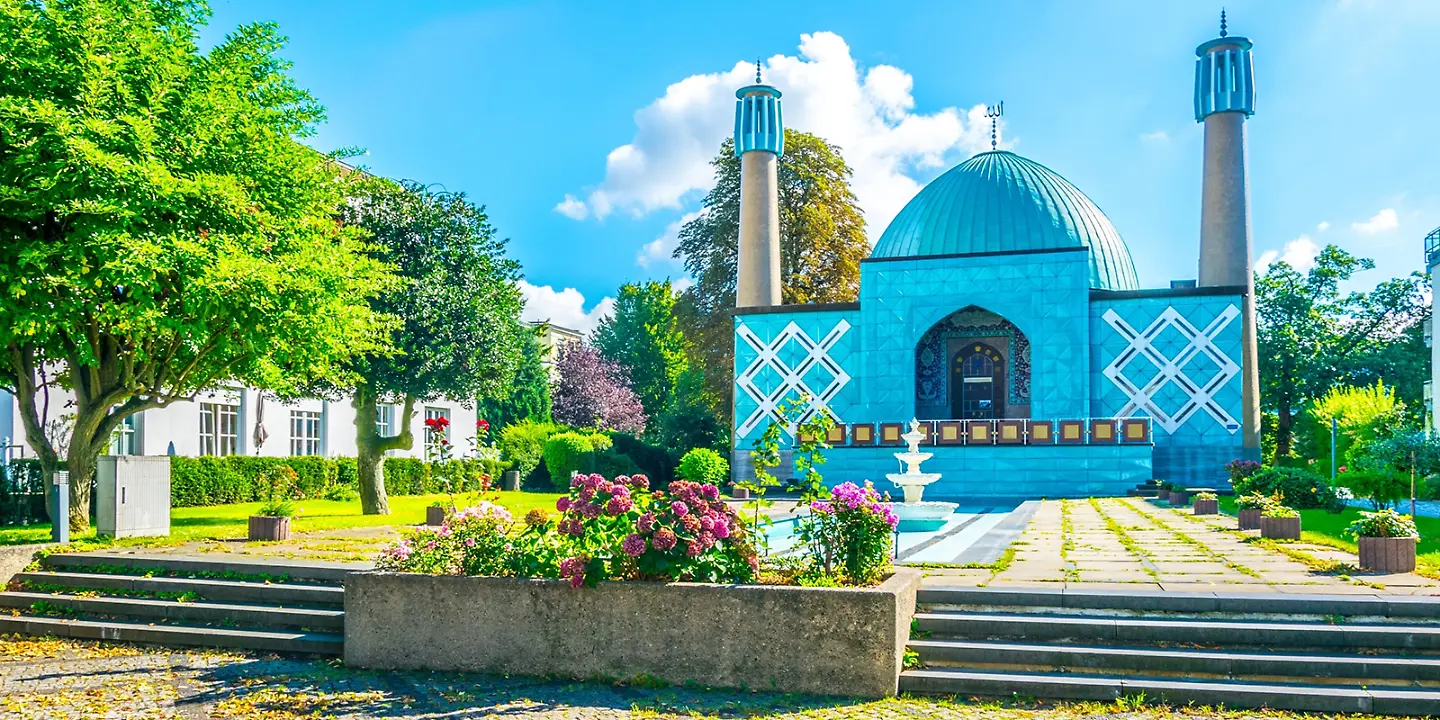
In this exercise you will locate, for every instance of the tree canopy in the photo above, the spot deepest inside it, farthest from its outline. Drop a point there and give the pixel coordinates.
(643, 338)
(163, 229)
(593, 392)
(460, 334)
(527, 397)
(1313, 336)
(822, 241)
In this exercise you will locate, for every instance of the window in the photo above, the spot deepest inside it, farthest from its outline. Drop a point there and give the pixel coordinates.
(385, 420)
(122, 441)
(304, 432)
(219, 429)
(434, 434)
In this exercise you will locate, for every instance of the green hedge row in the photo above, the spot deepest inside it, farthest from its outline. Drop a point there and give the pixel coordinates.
(198, 481)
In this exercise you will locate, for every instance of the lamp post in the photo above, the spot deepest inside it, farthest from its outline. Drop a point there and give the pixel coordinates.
(60, 524)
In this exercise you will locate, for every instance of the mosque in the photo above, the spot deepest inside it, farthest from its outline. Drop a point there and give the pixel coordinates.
(1001, 308)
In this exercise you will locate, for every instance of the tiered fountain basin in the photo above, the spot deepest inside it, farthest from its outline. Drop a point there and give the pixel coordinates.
(916, 514)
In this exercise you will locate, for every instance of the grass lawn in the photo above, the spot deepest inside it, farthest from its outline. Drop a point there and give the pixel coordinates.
(1323, 528)
(218, 522)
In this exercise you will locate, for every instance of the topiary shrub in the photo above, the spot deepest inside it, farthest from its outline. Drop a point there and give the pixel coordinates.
(704, 465)
(523, 444)
(566, 454)
(1298, 487)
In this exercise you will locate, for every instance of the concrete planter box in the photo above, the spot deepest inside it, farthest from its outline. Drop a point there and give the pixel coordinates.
(848, 641)
(434, 516)
(511, 480)
(1280, 528)
(1179, 497)
(264, 527)
(1387, 554)
(1249, 519)
(739, 493)
(1207, 507)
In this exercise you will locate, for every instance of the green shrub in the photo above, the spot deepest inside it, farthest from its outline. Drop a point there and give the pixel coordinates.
(704, 465)
(566, 454)
(197, 481)
(612, 464)
(1381, 487)
(523, 444)
(1253, 501)
(657, 462)
(1298, 487)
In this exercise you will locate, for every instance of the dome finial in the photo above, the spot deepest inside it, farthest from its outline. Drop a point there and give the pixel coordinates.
(757, 71)
(1223, 31)
(994, 112)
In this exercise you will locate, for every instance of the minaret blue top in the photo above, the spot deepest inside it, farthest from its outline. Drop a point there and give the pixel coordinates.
(757, 118)
(1224, 77)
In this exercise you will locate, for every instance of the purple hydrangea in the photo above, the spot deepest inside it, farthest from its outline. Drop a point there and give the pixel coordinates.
(634, 545)
(679, 508)
(645, 523)
(618, 505)
(562, 504)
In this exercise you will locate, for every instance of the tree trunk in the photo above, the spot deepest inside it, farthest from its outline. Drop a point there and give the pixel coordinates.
(371, 446)
(81, 461)
(1283, 424)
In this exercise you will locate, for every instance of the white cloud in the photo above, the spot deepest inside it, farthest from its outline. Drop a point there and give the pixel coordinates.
(1384, 220)
(1159, 136)
(1323, 226)
(659, 251)
(868, 112)
(565, 308)
(1299, 253)
(572, 208)
(682, 284)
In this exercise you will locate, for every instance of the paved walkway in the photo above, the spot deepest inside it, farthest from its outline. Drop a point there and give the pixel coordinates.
(64, 680)
(1132, 544)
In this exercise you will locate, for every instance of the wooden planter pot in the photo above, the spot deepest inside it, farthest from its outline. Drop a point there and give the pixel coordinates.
(1179, 497)
(1207, 507)
(1277, 528)
(263, 527)
(1250, 519)
(435, 516)
(1387, 554)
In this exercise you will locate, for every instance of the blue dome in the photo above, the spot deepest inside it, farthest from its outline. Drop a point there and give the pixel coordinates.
(999, 202)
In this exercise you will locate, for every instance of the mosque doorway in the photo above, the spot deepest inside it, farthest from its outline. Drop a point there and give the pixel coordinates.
(973, 363)
(977, 383)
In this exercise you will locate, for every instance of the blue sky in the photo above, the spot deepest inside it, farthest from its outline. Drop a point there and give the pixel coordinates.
(585, 127)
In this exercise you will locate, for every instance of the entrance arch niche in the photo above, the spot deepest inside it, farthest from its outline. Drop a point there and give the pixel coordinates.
(972, 364)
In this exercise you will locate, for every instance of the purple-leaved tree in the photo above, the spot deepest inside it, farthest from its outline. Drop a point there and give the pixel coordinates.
(594, 392)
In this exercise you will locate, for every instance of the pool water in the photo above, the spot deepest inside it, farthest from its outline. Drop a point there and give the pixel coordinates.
(961, 530)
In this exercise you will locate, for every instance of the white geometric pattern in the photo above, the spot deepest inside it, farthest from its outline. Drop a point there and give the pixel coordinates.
(791, 379)
(1200, 394)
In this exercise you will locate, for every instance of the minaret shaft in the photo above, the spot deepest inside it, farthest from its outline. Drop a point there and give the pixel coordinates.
(758, 277)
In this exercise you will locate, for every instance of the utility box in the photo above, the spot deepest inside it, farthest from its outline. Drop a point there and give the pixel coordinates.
(132, 495)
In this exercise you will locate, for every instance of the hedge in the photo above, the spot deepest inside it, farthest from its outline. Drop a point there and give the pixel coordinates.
(198, 481)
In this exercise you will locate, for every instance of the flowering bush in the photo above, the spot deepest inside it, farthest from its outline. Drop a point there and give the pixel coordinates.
(482, 446)
(620, 529)
(1206, 496)
(850, 532)
(437, 436)
(1276, 510)
(1383, 524)
(1241, 469)
(607, 530)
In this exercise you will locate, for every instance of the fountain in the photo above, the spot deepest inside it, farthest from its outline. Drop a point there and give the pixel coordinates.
(917, 515)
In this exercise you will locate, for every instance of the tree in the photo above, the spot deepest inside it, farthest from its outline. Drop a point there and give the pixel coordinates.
(459, 307)
(822, 241)
(643, 338)
(527, 397)
(593, 392)
(163, 229)
(691, 420)
(1362, 416)
(1311, 336)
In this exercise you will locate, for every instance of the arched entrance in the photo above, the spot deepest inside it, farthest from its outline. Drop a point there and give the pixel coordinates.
(977, 377)
(955, 380)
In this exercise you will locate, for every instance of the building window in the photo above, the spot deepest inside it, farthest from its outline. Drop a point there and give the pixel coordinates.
(123, 440)
(385, 420)
(304, 432)
(219, 429)
(437, 431)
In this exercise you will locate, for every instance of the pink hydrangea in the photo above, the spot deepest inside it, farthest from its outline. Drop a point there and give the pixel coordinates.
(634, 545)
(618, 506)
(693, 548)
(710, 491)
(645, 523)
(664, 539)
(679, 508)
(690, 523)
(640, 482)
(707, 522)
(562, 504)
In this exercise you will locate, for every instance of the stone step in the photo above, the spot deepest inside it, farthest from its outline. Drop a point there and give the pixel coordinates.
(290, 570)
(1280, 696)
(214, 590)
(1362, 669)
(1148, 492)
(230, 614)
(1145, 631)
(121, 631)
(1413, 609)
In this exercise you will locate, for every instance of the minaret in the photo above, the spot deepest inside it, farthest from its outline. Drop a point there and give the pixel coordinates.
(1224, 98)
(759, 140)
(1432, 265)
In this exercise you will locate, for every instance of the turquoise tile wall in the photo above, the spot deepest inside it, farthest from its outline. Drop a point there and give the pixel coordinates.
(793, 348)
(1195, 448)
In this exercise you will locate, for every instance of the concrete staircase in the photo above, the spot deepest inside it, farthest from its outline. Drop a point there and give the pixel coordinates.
(277, 606)
(1368, 653)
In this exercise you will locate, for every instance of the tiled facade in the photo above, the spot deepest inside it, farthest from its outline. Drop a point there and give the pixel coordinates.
(1169, 355)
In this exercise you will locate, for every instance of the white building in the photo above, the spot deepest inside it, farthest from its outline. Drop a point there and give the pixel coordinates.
(233, 421)
(554, 339)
